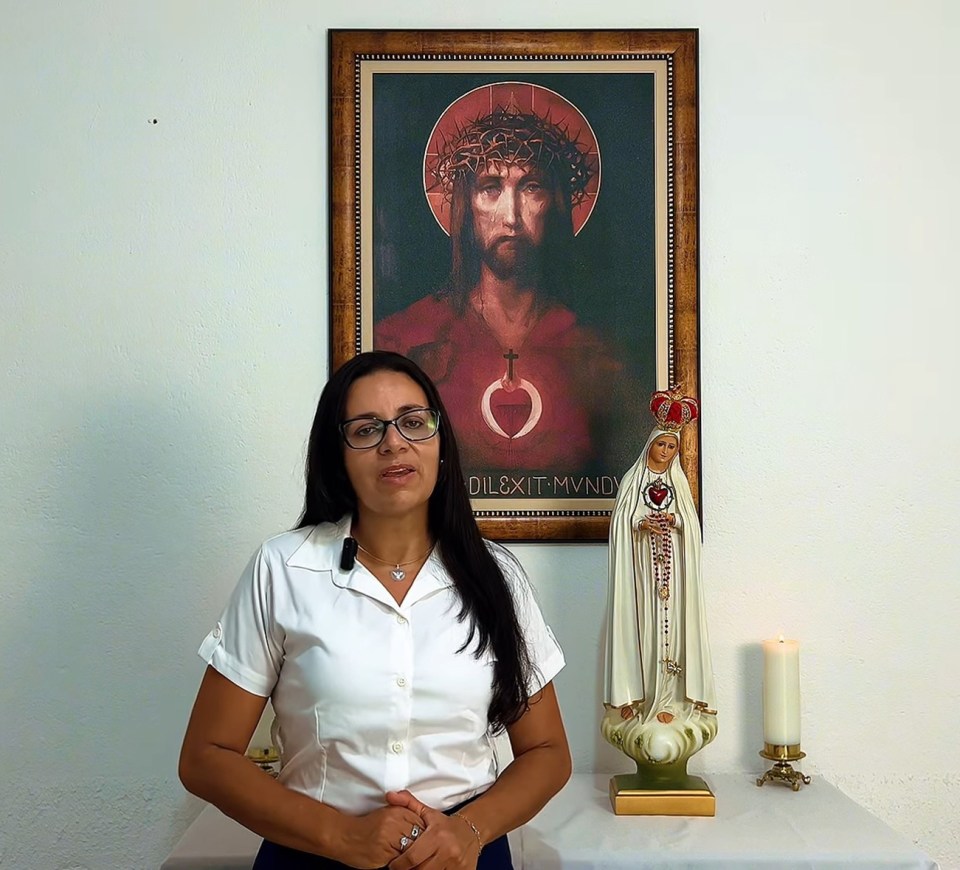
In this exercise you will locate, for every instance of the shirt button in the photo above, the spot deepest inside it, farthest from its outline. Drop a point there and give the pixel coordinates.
(397, 747)
(401, 681)
(401, 620)
(217, 632)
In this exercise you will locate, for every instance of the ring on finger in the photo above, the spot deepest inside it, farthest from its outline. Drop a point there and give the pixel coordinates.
(404, 842)
(415, 832)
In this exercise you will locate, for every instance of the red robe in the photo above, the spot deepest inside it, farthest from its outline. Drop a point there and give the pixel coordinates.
(565, 362)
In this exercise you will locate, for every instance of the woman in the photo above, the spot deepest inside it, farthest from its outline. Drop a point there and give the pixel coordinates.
(659, 689)
(388, 634)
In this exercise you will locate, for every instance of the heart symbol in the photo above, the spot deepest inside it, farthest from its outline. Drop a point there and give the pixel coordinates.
(658, 492)
(398, 574)
(511, 409)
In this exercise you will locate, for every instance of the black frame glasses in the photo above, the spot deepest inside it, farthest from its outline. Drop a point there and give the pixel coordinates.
(414, 414)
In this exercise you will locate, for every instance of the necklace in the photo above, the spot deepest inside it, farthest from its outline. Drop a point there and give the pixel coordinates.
(661, 555)
(658, 495)
(397, 572)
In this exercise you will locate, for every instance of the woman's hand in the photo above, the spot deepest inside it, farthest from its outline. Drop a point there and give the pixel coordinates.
(448, 843)
(373, 840)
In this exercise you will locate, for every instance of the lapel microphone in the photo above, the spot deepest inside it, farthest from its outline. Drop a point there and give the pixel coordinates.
(348, 554)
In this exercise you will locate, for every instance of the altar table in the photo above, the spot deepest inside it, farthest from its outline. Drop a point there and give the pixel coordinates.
(769, 828)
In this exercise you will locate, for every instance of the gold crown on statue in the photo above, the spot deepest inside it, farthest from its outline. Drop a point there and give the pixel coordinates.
(673, 410)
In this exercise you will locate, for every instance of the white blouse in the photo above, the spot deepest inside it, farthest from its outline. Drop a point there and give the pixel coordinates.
(370, 696)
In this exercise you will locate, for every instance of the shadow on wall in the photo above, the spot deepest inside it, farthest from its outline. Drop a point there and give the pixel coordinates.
(750, 659)
(131, 494)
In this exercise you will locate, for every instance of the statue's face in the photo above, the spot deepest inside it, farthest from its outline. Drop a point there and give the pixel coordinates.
(662, 451)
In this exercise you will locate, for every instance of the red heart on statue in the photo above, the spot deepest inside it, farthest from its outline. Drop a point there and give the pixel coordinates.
(657, 494)
(511, 409)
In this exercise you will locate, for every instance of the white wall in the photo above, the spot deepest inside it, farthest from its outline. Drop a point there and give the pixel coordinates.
(164, 339)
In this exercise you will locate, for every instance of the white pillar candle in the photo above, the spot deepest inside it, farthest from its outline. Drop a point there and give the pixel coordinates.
(781, 692)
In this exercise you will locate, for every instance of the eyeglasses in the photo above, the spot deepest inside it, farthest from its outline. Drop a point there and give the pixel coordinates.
(362, 433)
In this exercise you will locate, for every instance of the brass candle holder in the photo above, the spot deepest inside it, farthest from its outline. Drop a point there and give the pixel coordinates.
(267, 759)
(782, 770)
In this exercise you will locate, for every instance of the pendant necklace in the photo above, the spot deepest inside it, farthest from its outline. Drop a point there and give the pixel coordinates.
(659, 495)
(397, 571)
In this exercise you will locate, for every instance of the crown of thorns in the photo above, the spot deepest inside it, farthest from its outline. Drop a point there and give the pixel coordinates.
(507, 136)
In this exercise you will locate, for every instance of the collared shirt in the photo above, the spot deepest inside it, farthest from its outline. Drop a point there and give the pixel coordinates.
(369, 695)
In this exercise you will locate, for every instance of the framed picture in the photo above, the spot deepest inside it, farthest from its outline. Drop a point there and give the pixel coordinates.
(517, 212)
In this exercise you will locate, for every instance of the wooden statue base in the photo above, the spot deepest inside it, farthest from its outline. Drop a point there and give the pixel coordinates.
(634, 795)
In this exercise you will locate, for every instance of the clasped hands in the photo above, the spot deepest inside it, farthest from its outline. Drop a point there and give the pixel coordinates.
(408, 834)
(647, 524)
(447, 842)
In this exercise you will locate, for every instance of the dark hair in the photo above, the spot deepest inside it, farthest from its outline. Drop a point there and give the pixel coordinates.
(486, 599)
(554, 264)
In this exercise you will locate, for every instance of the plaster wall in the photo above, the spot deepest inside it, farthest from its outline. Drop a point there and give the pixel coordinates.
(164, 340)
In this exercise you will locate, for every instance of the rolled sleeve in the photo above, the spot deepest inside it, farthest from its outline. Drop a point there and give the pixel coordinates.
(245, 646)
(546, 656)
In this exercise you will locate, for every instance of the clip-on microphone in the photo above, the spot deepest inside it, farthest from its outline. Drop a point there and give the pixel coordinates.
(348, 554)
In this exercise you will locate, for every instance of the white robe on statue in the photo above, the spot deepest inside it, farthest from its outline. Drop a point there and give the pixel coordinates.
(635, 672)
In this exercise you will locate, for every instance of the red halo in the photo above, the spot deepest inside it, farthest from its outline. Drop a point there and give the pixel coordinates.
(527, 98)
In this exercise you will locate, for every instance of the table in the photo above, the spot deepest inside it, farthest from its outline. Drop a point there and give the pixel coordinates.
(214, 842)
(772, 828)
(769, 828)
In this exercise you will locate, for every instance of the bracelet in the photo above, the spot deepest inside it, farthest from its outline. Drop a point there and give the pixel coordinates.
(473, 828)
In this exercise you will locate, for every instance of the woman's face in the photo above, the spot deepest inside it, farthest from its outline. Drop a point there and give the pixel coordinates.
(662, 451)
(397, 476)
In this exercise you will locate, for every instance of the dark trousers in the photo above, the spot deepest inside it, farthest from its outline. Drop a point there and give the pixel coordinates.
(495, 856)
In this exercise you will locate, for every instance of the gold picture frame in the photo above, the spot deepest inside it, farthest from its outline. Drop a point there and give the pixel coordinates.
(628, 101)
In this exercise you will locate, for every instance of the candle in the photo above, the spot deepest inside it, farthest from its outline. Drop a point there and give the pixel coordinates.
(781, 692)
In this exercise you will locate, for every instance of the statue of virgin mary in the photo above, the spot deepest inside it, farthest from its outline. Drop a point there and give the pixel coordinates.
(658, 693)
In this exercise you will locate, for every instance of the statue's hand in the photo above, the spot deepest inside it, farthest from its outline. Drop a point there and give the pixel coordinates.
(648, 524)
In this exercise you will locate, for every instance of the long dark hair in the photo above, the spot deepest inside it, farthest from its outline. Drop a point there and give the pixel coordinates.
(486, 599)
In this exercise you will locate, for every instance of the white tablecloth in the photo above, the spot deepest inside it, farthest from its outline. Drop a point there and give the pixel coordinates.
(772, 828)
(214, 842)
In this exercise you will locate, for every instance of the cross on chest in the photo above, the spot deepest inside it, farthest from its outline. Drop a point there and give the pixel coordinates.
(510, 356)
